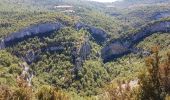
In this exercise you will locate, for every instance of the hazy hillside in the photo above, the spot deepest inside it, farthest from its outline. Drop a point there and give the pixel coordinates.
(132, 3)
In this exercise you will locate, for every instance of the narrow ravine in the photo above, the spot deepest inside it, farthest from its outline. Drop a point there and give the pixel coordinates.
(116, 49)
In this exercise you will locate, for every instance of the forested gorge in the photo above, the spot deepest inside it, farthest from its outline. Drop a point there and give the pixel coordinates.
(86, 51)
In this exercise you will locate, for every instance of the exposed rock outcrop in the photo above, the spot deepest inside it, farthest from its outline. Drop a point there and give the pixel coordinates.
(115, 14)
(2, 44)
(33, 56)
(43, 29)
(26, 74)
(159, 15)
(79, 56)
(53, 48)
(85, 50)
(46, 29)
(123, 46)
(115, 49)
(40, 30)
(98, 34)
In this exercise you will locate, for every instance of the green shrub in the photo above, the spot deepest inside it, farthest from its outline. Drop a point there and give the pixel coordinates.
(50, 93)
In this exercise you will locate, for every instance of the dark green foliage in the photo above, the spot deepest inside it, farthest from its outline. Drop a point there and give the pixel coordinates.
(9, 68)
(57, 68)
(6, 59)
(90, 77)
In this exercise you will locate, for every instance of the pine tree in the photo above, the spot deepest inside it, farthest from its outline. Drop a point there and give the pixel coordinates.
(154, 83)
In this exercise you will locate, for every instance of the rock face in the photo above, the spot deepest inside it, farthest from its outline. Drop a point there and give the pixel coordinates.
(114, 50)
(85, 50)
(45, 29)
(2, 45)
(123, 46)
(115, 14)
(149, 30)
(79, 56)
(40, 30)
(98, 34)
(79, 26)
(159, 15)
(33, 56)
(54, 48)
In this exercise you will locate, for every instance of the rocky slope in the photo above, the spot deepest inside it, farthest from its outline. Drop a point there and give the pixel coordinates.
(117, 48)
(76, 51)
(124, 45)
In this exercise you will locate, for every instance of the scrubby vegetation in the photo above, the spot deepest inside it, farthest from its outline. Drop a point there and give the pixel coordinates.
(67, 64)
(154, 83)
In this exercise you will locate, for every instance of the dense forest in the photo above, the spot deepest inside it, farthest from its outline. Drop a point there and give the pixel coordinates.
(84, 50)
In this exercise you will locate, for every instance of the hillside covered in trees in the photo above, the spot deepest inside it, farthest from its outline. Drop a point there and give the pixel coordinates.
(84, 50)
